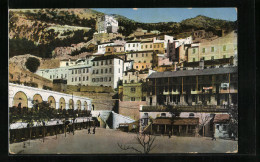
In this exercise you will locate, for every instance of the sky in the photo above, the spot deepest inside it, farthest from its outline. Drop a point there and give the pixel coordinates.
(154, 15)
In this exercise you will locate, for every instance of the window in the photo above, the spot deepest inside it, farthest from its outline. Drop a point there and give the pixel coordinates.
(224, 128)
(72, 72)
(154, 46)
(61, 75)
(93, 80)
(67, 64)
(97, 63)
(97, 71)
(106, 62)
(50, 76)
(191, 115)
(105, 79)
(146, 54)
(83, 71)
(65, 75)
(224, 48)
(76, 71)
(137, 55)
(224, 56)
(71, 79)
(132, 81)
(75, 79)
(193, 50)
(110, 61)
(83, 79)
(151, 46)
(132, 89)
(110, 70)
(212, 49)
(145, 46)
(193, 59)
(141, 46)
(142, 55)
(108, 49)
(133, 45)
(212, 57)
(139, 61)
(131, 55)
(101, 62)
(119, 62)
(93, 63)
(203, 50)
(143, 98)
(142, 66)
(136, 67)
(93, 72)
(97, 79)
(163, 114)
(79, 71)
(132, 99)
(79, 78)
(87, 70)
(119, 70)
(87, 78)
(125, 81)
(109, 79)
(128, 45)
(105, 70)
(101, 79)
(101, 71)
(144, 61)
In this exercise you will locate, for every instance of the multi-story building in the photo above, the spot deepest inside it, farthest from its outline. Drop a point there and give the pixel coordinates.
(213, 86)
(107, 24)
(133, 89)
(102, 47)
(57, 73)
(142, 59)
(131, 46)
(159, 47)
(222, 47)
(107, 71)
(146, 45)
(80, 75)
(113, 49)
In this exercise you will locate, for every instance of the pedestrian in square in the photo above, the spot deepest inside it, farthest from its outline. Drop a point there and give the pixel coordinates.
(94, 130)
(170, 133)
(89, 130)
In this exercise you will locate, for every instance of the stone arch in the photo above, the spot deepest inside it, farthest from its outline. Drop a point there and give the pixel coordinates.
(20, 99)
(62, 103)
(52, 102)
(37, 98)
(71, 104)
(85, 105)
(79, 105)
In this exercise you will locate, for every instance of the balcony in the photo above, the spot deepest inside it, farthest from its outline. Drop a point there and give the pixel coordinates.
(171, 93)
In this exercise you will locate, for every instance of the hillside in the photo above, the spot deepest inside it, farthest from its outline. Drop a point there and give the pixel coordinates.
(43, 32)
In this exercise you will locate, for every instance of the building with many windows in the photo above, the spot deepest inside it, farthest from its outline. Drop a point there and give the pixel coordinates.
(213, 86)
(107, 71)
(141, 59)
(133, 45)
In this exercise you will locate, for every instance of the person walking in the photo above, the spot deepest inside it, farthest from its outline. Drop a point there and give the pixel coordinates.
(94, 130)
(170, 134)
(213, 137)
(89, 130)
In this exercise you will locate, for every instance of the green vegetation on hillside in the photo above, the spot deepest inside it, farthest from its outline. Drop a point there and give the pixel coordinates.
(24, 46)
(32, 64)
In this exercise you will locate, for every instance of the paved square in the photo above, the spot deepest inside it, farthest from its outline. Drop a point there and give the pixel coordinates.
(105, 141)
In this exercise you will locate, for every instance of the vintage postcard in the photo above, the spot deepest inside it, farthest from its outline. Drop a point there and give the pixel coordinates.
(123, 81)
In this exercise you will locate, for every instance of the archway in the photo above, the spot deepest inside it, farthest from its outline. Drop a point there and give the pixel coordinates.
(71, 104)
(37, 99)
(62, 103)
(52, 102)
(78, 104)
(85, 105)
(20, 99)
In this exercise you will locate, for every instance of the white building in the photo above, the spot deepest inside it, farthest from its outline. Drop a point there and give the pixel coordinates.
(57, 73)
(107, 24)
(79, 75)
(132, 46)
(67, 62)
(179, 42)
(107, 71)
(102, 47)
(128, 65)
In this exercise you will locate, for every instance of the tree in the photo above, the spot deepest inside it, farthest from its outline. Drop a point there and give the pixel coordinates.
(204, 119)
(146, 141)
(32, 64)
(233, 122)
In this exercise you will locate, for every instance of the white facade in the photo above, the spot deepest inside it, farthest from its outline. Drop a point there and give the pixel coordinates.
(57, 73)
(67, 62)
(102, 47)
(179, 42)
(107, 71)
(79, 75)
(107, 24)
(128, 65)
(132, 46)
(79, 102)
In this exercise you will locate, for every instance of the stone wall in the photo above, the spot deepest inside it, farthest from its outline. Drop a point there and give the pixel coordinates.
(130, 108)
